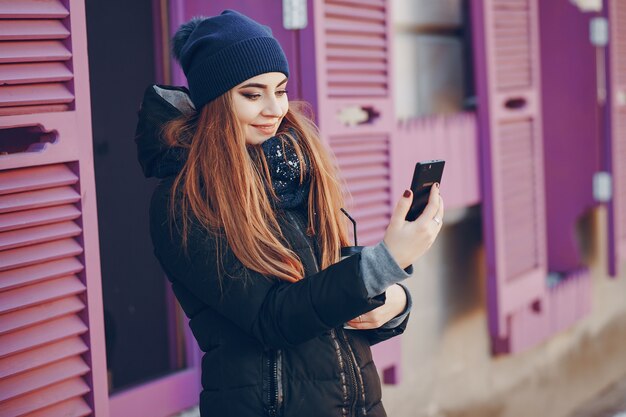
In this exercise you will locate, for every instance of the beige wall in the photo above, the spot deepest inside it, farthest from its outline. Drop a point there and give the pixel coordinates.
(447, 368)
(428, 69)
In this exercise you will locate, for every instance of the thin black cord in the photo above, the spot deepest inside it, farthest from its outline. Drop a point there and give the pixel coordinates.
(353, 224)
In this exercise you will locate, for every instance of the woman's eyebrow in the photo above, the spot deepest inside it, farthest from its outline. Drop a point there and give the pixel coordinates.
(263, 86)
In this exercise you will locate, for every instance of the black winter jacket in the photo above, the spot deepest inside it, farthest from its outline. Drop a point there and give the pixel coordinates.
(272, 348)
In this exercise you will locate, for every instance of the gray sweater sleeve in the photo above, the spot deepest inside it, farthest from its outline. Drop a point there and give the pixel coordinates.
(380, 271)
(394, 322)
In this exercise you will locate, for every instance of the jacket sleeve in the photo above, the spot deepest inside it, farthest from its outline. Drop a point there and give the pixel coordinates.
(383, 333)
(275, 312)
(394, 327)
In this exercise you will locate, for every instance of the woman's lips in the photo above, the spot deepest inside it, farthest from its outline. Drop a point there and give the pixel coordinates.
(267, 129)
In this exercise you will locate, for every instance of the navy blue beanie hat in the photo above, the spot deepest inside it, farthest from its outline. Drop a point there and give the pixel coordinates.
(217, 53)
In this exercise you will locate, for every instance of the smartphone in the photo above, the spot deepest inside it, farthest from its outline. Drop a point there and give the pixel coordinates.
(425, 175)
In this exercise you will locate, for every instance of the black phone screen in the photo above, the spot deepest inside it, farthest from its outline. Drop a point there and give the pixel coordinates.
(425, 175)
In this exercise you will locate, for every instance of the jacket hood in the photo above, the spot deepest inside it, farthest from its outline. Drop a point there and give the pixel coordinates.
(161, 103)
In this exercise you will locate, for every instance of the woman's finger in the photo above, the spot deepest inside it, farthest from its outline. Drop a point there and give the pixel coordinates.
(433, 204)
(402, 208)
(440, 212)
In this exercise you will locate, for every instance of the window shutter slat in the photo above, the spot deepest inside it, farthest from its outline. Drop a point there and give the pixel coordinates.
(356, 67)
(372, 159)
(372, 4)
(18, 277)
(29, 30)
(342, 39)
(34, 51)
(41, 334)
(39, 293)
(35, 178)
(46, 397)
(43, 252)
(351, 12)
(38, 234)
(375, 211)
(32, 9)
(44, 355)
(365, 199)
(366, 186)
(46, 72)
(24, 95)
(24, 383)
(25, 317)
(37, 199)
(36, 217)
(75, 407)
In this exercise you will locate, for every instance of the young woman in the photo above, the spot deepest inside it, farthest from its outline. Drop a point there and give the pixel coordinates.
(246, 223)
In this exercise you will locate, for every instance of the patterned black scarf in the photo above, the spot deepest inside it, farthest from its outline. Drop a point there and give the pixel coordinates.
(284, 167)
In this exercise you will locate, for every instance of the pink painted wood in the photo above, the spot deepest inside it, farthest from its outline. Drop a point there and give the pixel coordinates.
(41, 377)
(617, 129)
(33, 9)
(52, 356)
(35, 358)
(509, 109)
(559, 308)
(36, 217)
(166, 396)
(387, 360)
(52, 331)
(452, 138)
(27, 316)
(35, 73)
(48, 398)
(352, 63)
(15, 278)
(37, 51)
(41, 29)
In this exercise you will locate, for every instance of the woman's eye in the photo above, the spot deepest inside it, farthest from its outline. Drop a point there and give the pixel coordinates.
(251, 96)
(281, 93)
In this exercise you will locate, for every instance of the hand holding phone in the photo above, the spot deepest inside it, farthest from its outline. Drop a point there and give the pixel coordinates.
(406, 240)
(425, 175)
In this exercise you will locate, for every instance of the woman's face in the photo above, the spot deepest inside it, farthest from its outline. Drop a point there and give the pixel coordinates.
(260, 103)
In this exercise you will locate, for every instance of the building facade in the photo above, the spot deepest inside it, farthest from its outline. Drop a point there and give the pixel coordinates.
(525, 100)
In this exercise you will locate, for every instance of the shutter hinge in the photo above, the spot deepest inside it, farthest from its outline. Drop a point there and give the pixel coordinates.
(599, 31)
(294, 14)
(602, 187)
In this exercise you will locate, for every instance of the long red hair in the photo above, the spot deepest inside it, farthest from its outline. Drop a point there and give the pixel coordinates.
(221, 187)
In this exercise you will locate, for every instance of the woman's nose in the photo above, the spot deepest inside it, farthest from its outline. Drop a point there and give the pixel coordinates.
(272, 107)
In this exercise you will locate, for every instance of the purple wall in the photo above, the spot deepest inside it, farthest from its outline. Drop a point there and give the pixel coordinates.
(571, 124)
(297, 44)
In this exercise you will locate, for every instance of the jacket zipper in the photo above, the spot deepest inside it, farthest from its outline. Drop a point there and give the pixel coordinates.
(360, 385)
(353, 366)
(275, 391)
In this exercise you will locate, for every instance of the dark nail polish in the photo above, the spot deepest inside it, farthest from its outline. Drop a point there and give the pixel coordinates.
(407, 194)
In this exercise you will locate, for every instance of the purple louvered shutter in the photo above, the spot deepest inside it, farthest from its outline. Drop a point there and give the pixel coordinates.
(355, 107)
(35, 58)
(52, 355)
(617, 145)
(356, 119)
(508, 89)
